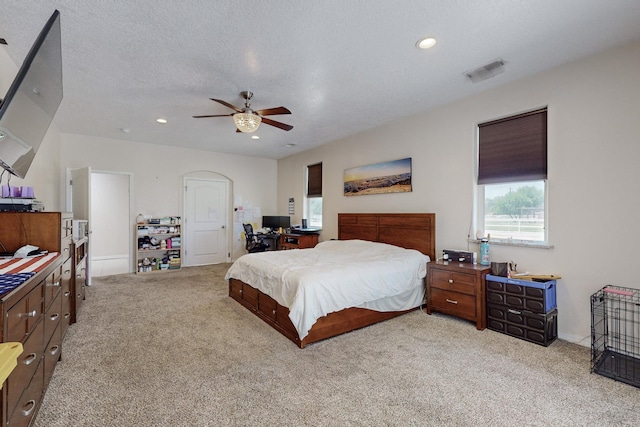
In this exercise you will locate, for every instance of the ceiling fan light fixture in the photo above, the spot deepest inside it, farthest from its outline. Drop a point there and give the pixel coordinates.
(247, 122)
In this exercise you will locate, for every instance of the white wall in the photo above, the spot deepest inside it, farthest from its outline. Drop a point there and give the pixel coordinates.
(594, 174)
(158, 173)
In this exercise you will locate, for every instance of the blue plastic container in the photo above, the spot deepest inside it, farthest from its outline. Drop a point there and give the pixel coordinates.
(538, 297)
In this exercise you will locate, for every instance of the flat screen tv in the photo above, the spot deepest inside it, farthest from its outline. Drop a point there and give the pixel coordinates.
(32, 100)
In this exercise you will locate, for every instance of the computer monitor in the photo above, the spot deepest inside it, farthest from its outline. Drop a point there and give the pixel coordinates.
(274, 222)
(285, 221)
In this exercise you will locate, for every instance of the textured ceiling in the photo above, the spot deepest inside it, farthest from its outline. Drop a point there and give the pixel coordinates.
(340, 66)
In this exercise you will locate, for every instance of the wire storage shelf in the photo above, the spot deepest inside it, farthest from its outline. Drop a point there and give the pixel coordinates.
(615, 334)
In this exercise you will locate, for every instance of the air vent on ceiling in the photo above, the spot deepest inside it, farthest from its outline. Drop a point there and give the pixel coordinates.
(486, 71)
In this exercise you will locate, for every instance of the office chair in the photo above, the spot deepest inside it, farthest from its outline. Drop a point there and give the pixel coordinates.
(253, 243)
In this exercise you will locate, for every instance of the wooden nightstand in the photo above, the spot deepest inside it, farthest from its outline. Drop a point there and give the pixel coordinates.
(458, 289)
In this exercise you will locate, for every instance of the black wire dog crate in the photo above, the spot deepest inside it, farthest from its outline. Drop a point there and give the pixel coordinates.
(615, 334)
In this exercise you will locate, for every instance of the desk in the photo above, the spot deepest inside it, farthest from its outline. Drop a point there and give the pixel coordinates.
(270, 239)
(297, 241)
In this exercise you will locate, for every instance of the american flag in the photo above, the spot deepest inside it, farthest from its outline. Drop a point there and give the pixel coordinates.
(26, 265)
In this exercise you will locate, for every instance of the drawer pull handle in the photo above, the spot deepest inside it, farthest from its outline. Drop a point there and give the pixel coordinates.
(451, 301)
(30, 358)
(514, 311)
(450, 280)
(67, 271)
(273, 311)
(53, 350)
(54, 316)
(66, 249)
(27, 412)
(66, 294)
(67, 315)
(33, 313)
(54, 284)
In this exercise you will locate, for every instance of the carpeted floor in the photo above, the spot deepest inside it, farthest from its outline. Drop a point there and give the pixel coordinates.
(173, 349)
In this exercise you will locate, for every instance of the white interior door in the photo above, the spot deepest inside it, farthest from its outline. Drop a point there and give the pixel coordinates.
(81, 204)
(205, 223)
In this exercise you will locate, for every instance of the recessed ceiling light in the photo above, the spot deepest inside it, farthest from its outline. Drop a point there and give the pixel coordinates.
(163, 121)
(426, 43)
(255, 137)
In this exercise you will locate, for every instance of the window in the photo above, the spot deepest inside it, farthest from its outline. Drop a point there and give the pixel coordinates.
(313, 201)
(512, 178)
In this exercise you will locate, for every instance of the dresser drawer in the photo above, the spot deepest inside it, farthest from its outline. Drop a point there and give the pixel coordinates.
(65, 248)
(52, 286)
(235, 289)
(267, 306)
(53, 317)
(28, 362)
(454, 281)
(66, 295)
(23, 316)
(52, 354)
(250, 296)
(455, 303)
(26, 407)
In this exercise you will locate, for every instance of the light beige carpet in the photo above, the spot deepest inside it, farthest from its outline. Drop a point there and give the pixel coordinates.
(173, 349)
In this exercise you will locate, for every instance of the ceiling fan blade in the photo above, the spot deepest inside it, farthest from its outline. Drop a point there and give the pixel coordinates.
(273, 111)
(213, 115)
(276, 124)
(226, 104)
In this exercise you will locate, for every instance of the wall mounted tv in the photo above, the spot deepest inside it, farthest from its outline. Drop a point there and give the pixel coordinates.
(32, 100)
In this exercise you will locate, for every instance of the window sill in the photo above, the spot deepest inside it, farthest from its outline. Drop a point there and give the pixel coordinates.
(517, 243)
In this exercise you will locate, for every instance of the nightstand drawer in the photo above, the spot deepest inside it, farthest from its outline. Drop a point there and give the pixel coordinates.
(453, 303)
(454, 281)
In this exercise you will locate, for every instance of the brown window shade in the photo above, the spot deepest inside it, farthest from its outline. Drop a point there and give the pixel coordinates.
(314, 180)
(513, 148)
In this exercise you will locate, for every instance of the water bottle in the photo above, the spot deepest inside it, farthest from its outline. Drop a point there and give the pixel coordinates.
(484, 252)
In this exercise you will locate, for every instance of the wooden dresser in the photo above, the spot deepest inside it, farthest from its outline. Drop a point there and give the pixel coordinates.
(458, 289)
(297, 241)
(38, 312)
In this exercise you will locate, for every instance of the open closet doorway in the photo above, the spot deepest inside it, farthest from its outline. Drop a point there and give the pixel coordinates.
(104, 198)
(206, 221)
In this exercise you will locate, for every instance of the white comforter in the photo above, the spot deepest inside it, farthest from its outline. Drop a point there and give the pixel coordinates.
(336, 274)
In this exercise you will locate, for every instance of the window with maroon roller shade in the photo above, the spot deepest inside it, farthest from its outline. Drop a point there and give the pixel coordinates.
(513, 149)
(314, 180)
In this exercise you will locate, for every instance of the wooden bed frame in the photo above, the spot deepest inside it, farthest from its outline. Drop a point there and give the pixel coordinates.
(411, 231)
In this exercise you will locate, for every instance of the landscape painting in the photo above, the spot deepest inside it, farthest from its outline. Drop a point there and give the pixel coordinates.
(380, 178)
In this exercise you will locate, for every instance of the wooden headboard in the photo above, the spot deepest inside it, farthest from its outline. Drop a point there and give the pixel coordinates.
(411, 231)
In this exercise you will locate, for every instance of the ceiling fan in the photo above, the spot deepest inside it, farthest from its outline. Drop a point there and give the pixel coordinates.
(248, 120)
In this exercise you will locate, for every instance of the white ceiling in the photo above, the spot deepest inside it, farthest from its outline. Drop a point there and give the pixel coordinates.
(340, 66)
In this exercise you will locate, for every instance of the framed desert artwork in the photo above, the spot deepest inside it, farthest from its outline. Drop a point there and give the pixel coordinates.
(380, 178)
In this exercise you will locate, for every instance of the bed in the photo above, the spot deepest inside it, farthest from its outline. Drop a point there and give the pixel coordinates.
(312, 317)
